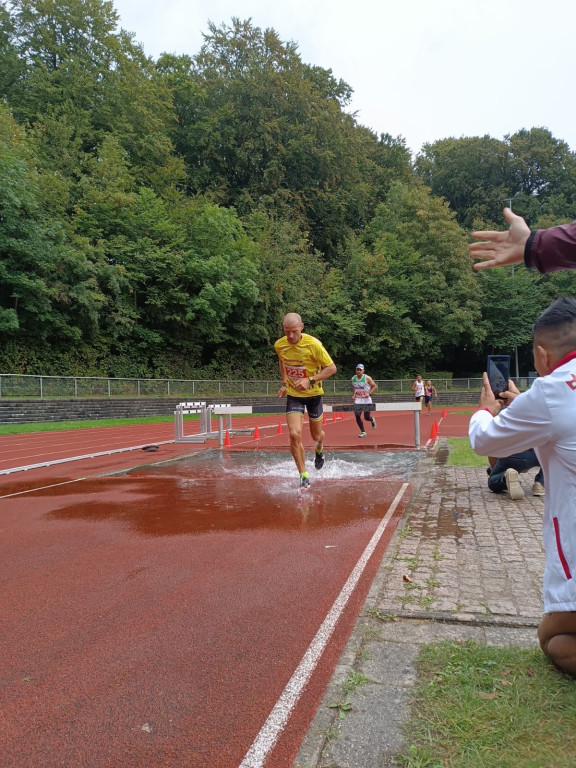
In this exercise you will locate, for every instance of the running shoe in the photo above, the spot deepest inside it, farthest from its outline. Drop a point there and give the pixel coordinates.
(362, 434)
(304, 480)
(538, 489)
(373, 423)
(513, 484)
(319, 460)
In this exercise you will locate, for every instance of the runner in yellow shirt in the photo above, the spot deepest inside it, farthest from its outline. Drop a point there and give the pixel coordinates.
(304, 364)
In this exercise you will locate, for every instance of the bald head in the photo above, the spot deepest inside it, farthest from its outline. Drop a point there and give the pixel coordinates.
(292, 318)
(293, 325)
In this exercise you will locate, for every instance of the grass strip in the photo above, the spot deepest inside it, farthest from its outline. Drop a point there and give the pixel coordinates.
(483, 707)
(461, 454)
(56, 426)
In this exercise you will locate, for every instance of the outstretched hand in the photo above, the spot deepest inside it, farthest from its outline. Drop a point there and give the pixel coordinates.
(501, 248)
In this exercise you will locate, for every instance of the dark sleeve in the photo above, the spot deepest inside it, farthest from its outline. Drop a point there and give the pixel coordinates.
(551, 250)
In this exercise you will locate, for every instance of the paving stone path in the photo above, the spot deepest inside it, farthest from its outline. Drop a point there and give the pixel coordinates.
(464, 563)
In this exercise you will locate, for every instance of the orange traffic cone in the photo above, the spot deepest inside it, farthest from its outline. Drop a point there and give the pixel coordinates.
(256, 433)
(227, 440)
(279, 432)
(323, 418)
(444, 413)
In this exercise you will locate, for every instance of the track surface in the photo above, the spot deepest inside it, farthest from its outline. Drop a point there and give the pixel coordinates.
(152, 619)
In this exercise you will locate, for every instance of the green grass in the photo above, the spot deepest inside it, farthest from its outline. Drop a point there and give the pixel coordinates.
(481, 707)
(462, 455)
(53, 426)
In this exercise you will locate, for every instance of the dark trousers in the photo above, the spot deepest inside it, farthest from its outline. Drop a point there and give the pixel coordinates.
(521, 462)
(358, 413)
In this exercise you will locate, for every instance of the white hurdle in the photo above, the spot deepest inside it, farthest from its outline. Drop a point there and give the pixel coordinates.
(413, 406)
(228, 410)
(225, 409)
(206, 412)
(205, 422)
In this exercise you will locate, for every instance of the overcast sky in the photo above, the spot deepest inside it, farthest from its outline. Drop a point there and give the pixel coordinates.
(421, 69)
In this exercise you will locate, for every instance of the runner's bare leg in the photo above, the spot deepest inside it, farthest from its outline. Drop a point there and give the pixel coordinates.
(295, 422)
(317, 434)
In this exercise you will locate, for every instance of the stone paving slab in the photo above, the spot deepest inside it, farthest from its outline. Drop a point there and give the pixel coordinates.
(464, 564)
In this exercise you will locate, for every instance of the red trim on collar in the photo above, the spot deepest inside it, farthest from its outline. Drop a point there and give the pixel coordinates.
(565, 359)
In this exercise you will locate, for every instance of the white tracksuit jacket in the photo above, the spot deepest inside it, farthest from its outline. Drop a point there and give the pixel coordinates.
(544, 418)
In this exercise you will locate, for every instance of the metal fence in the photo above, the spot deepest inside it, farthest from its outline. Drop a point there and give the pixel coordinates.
(25, 385)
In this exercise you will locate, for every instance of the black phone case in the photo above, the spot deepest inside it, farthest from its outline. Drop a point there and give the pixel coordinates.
(498, 369)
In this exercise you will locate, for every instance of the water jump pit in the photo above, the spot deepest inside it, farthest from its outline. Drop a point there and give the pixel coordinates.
(215, 491)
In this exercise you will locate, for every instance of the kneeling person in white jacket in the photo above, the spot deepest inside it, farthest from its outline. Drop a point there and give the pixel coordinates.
(544, 418)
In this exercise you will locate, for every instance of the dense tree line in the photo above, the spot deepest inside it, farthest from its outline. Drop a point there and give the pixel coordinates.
(158, 218)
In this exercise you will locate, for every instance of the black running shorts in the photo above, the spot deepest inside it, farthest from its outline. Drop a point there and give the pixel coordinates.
(301, 404)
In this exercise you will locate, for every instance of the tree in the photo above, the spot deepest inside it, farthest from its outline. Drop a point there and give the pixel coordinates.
(473, 175)
(540, 161)
(544, 177)
(530, 169)
(79, 80)
(46, 289)
(512, 299)
(416, 282)
(258, 127)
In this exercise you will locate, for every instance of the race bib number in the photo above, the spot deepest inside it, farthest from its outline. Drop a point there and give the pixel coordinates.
(295, 372)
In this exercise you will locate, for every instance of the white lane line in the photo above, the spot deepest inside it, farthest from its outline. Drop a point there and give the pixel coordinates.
(278, 717)
(53, 462)
(42, 488)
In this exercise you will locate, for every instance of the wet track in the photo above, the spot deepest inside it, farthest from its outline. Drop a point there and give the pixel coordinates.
(154, 617)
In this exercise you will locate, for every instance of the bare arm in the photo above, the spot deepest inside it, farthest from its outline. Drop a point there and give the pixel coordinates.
(282, 390)
(306, 383)
(325, 373)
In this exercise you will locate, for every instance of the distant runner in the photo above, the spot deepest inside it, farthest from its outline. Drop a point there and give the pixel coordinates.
(363, 386)
(429, 394)
(304, 364)
(418, 389)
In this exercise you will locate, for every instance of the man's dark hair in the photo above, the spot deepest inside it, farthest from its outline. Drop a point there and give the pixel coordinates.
(558, 324)
(560, 312)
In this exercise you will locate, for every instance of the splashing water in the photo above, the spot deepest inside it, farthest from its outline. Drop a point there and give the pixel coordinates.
(338, 466)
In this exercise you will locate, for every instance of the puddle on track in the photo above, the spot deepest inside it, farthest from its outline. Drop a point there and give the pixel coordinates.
(237, 491)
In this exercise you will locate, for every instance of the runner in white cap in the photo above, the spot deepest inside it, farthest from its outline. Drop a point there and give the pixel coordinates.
(363, 386)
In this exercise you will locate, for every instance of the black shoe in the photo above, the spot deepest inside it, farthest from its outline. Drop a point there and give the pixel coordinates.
(318, 460)
(304, 481)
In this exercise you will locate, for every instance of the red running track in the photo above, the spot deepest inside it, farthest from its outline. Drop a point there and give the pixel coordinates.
(395, 429)
(153, 619)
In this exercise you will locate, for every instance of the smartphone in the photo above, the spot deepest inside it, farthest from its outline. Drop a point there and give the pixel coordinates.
(498, 369)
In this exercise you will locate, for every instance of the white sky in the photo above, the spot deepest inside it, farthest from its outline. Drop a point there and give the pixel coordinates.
(421, 69)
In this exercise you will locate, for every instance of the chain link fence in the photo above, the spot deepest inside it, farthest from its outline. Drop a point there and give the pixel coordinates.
(25, 386)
